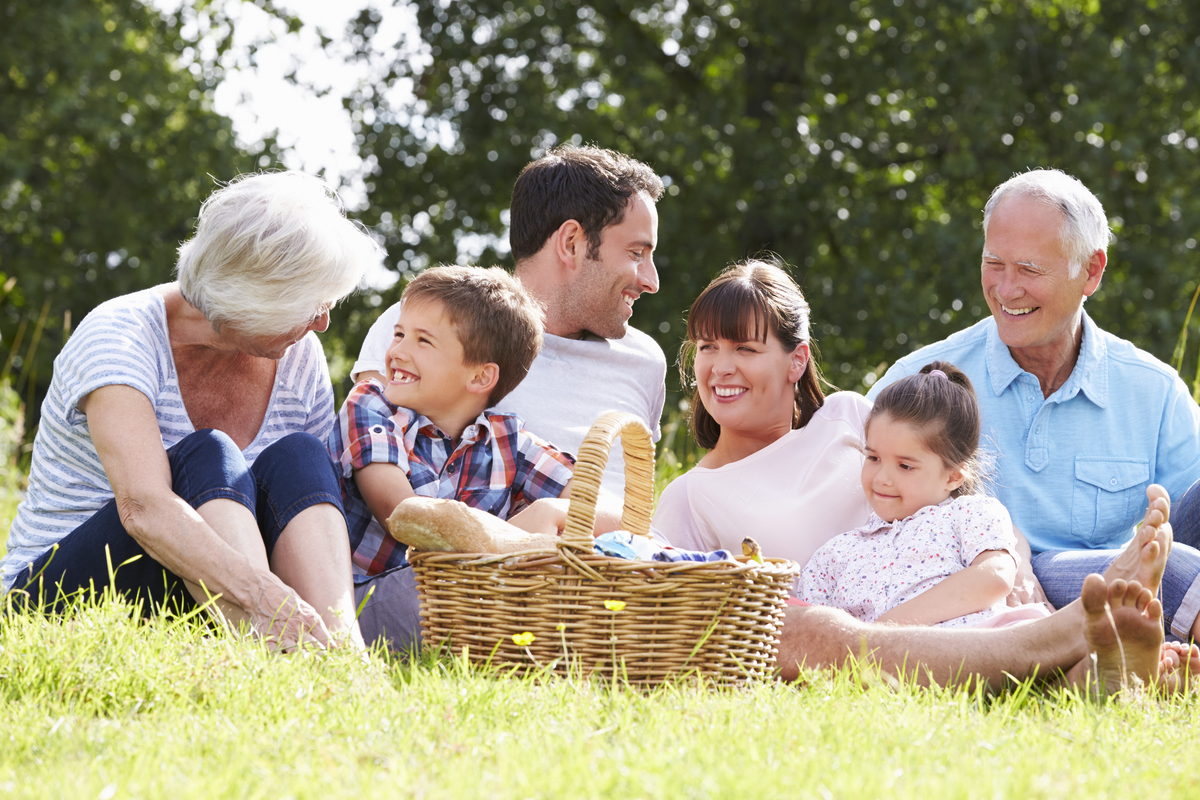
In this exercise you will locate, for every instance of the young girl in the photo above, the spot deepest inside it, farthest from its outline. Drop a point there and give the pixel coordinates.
(934, 551)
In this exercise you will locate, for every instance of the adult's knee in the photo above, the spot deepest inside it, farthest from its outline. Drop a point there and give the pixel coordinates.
(293, 474)
(298, 458)
(209, 464)
(1185, 516)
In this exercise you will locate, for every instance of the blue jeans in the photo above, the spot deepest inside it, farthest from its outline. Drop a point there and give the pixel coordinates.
(289, 476)
(1061, 572)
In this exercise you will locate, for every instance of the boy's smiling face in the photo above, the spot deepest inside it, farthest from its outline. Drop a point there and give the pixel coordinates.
(426, 371)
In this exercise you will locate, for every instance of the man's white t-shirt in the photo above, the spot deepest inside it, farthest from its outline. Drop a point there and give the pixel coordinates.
(570, 384)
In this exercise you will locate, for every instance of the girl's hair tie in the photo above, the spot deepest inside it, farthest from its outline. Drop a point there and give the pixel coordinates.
(938, 373)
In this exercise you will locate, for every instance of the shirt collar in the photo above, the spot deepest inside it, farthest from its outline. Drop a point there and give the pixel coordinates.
(1090, 375)
(478, 431)
(876, 523)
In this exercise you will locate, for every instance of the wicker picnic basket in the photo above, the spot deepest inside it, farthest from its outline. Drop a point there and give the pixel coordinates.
(638, 621)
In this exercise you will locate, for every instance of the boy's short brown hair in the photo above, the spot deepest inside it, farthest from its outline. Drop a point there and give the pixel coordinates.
(495, 318)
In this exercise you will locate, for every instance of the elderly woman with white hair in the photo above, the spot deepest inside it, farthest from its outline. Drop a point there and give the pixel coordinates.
(181, 451)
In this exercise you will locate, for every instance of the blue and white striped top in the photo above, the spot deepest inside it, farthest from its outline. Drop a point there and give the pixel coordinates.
(124, 341)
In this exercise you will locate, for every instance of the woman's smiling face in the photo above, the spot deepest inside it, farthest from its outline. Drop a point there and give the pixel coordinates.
(748, 385)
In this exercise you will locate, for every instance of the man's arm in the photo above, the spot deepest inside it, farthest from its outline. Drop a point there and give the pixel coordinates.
(372, 356)
(988, 579)
(1178, 463)
(368, 375)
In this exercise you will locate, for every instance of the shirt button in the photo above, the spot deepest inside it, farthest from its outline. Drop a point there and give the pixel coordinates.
(1031, 398)
(451, 469)
(1039, 429)
(377, 429)
(1113, 482)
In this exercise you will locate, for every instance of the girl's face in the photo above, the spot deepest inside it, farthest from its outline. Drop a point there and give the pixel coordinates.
(900, 475)
(748, 386)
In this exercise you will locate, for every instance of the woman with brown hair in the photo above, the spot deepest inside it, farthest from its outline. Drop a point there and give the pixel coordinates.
(776, 442)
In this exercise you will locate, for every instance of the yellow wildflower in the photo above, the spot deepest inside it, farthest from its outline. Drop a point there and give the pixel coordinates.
(523, 639)
(614, 605)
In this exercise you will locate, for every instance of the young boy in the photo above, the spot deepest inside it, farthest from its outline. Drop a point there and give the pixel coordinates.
(465, 338)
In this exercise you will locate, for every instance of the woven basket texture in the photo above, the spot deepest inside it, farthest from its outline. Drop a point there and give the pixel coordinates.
(643, 622)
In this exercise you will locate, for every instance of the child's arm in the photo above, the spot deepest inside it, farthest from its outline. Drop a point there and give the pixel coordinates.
(549, 514)
(384, 486)
(989, 579)
(1026, 588)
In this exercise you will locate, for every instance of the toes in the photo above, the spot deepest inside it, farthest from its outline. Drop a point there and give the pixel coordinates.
(1152, 551)
(1153, 610)
(1141, 598)
(1094, 594)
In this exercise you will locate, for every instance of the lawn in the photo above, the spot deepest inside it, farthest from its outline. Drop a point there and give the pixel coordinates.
(102, 704)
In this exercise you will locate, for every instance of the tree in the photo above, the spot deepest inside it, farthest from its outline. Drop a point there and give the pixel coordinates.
(108, 145)
(857, 140)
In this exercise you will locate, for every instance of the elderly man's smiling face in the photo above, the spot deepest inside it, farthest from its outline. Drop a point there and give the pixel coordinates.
(1028, 284)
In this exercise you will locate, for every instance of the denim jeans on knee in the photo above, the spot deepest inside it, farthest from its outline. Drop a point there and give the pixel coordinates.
(206, 465)
(1061, 573)
(291, 475)
(1185, 517)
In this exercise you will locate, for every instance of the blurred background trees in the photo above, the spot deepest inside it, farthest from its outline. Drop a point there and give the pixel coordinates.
(858, 140)
(108, 145)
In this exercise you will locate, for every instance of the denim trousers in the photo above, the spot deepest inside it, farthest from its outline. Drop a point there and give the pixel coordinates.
(289, 476)
(1061, 572)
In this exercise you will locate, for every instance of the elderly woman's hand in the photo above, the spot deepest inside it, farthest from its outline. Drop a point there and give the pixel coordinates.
(283, 619)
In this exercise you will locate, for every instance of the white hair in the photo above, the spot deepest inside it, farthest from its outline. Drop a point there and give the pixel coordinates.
(271, 253)
(1085, 227)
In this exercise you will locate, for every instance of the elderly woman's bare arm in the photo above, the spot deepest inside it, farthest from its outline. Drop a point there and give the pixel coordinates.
(126, 435)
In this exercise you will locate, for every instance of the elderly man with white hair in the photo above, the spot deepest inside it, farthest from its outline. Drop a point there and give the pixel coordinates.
(1081, 421)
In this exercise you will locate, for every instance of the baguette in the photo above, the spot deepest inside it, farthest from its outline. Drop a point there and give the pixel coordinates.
(449, 526)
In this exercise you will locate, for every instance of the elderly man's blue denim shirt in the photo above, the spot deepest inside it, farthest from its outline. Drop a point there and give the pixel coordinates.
(1072, 469)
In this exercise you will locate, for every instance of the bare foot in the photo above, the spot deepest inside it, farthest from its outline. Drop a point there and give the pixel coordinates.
(1124, 632)
(1180, 666)
(1145, 557)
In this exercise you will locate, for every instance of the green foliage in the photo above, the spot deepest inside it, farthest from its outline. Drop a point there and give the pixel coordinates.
(104, 704)
(859, 140)
(108, 144)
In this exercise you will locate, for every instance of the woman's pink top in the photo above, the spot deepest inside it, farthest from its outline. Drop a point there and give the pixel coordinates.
(792, 496)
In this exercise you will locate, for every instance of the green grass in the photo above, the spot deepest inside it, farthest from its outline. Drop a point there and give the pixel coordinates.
(102, 705)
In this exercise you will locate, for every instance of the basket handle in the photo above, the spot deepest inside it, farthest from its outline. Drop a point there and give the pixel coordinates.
(589, 470)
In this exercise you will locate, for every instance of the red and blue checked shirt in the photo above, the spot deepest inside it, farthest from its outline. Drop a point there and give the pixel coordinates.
(497, 466)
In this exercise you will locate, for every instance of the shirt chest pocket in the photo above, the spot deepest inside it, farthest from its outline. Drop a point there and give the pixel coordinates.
(1107, 496)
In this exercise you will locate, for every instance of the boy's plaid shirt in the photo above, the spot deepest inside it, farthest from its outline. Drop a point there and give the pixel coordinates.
(497, 466)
